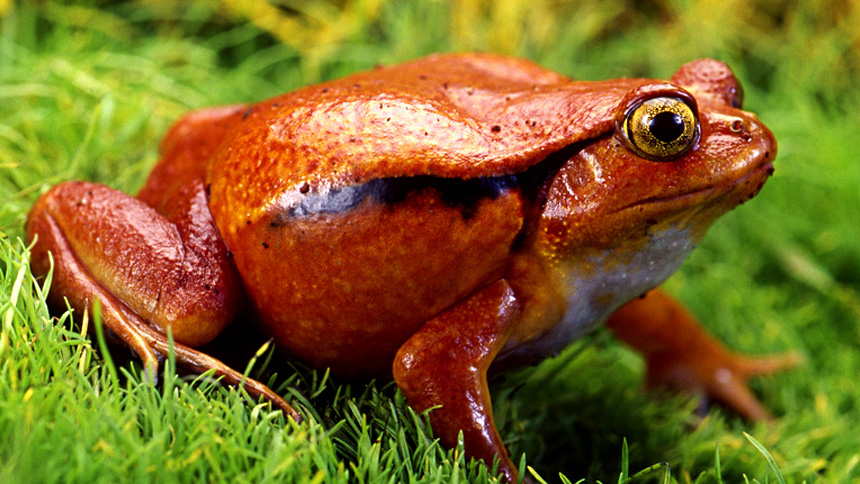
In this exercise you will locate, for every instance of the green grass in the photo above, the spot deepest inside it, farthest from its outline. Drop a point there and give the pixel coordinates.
(88, 89)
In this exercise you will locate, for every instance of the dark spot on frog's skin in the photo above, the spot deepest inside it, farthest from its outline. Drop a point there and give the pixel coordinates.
(324, 90)
(207, 287)
(422, 77)
(208, 190)
(248, 222)
(651, 221)
(247, 113)
(357, 86)
(444, 85)
(496, 128)
(304, 188)
(276, 105)
(352, 139)
(265, 245)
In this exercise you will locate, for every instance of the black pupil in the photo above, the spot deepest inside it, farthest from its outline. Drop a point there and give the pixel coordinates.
(666, 126)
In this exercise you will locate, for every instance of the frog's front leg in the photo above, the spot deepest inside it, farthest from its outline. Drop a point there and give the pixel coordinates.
(148, 272)
(679, 353)
(445, 365)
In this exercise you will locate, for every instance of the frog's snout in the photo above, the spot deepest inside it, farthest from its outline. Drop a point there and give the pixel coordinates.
(759, 133)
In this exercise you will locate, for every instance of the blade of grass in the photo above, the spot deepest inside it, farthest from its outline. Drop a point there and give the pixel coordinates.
(768, 457)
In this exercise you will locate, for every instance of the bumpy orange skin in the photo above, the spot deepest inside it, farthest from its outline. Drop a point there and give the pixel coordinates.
(421, 221)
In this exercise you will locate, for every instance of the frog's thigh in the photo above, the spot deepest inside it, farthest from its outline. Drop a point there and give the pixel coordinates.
(445, 364)
(679, 353)
(134, 254)
(110, 247)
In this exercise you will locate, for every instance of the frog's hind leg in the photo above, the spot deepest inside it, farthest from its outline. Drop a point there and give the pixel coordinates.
(148, 273)
(679, 353)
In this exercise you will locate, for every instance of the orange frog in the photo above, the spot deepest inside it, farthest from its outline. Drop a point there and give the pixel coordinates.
(425, 221)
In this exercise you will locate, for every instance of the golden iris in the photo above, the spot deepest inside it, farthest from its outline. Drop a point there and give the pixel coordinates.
(661, 128)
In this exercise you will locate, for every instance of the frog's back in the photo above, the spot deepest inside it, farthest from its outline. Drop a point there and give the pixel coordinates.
(450, 116)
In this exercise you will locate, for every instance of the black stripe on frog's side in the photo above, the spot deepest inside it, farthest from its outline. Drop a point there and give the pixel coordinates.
(459, 193)
(456, 193)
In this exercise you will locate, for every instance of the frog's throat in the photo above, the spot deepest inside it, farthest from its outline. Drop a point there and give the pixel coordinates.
(598, 283)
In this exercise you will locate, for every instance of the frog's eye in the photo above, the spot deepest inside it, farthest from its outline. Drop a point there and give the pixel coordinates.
(661, 128)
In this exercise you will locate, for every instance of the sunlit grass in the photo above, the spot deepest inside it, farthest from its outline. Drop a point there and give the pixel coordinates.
(88, 89)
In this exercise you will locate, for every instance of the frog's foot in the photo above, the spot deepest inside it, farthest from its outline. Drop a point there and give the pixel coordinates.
(154, 345)
(445, 365)
(722, 379)
(199, 362)
(148, 274)
(680, 354)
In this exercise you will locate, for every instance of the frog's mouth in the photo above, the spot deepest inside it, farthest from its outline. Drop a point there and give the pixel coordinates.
(734, 193)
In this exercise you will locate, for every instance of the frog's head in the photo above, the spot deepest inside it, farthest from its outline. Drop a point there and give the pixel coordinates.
(682, 154)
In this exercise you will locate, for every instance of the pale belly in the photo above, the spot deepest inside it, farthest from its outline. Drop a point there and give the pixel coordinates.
(597, 285)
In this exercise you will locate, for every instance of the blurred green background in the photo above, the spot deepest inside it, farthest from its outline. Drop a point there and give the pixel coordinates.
(87, 89)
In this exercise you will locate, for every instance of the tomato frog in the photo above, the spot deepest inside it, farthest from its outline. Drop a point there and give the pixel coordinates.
(425, 221)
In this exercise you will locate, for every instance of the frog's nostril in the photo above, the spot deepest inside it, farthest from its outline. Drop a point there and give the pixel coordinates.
(741, 128)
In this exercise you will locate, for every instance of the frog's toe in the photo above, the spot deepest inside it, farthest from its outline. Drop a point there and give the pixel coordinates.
(730, 382)
(765, 365)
